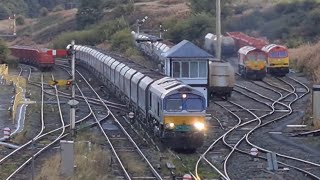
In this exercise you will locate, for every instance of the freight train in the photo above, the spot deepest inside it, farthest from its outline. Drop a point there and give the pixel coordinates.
(252, 63)
(172, 110)
(33, 56)
(277, 55)
(221, 78)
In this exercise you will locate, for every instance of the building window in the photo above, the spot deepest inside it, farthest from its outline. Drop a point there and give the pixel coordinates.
(194, 69)
(176, 69)
(187, 69)
(202, 69)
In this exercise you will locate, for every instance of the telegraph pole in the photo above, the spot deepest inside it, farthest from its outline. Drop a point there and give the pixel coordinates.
(160, 31)
(218, 29)
(14, 25)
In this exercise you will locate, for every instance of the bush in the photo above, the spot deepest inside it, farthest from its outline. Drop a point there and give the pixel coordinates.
(4, 12)
(123, 10)
(20, 20)
(86, 37)
(194, 28)
(4, 51)
(44, 12)
(122, 40)
(59, 7)
(306, 59)
(92, 36)
(112, 27)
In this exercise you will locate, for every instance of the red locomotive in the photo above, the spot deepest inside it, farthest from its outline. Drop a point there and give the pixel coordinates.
(277, 55)
(34, 56)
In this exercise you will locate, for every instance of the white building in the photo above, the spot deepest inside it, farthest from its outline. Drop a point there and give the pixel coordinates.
(188, 63)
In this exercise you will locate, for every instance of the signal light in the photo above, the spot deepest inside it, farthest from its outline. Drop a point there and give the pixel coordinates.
(69, 82)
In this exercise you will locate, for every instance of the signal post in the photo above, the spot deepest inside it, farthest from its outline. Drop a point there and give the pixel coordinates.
(73, 103)
(67, 147)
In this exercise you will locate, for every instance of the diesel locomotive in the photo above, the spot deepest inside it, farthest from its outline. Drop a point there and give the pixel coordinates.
(172, 110)
(252, 63)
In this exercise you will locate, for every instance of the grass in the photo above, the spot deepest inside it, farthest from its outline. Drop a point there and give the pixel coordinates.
(32, 118)
(306, 59)
(91, 163)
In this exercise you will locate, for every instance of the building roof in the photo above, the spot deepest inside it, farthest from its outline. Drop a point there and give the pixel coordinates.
(186, 49)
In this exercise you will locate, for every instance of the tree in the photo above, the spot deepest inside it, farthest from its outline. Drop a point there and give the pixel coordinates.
(209, 6)
(32, 5)
(20, 20)
(4, 51)
(121, 40)
(44, 12)
(4, 12)
(194, 28)
(89, 12)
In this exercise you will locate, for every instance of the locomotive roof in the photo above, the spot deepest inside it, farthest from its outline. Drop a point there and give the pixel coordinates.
(246, 49)
(269, 47)
(186, 49)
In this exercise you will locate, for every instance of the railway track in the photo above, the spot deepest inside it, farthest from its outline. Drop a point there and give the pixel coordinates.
(25, 153)
(235, 147)
(123, 147)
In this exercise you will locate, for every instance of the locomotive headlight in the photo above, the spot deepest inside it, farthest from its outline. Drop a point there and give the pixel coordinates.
(199, 126)
(170, 125)
(184, 96)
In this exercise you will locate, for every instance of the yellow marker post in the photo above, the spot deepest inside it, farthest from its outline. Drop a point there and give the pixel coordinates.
(61, 82)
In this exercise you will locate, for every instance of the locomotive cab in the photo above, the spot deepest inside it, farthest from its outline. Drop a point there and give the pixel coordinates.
(252, 62)
(181, 116)
(278, 59)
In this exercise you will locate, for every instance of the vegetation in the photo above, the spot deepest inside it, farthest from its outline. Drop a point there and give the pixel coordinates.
(20, 20)
(59, 7)
(121, 40)
(209, 6)
(89, 12)
(44, 12)
(287, 22)
(8, 8)
(28, 7)
(92, 36)
(194, 28)
(4, 51)
(306, 59)
(91, 160)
